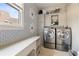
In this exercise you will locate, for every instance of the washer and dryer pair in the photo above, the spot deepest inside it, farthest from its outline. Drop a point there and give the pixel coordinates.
(57, 38)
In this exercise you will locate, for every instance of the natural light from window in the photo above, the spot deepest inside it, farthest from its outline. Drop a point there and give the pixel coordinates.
(10, 14)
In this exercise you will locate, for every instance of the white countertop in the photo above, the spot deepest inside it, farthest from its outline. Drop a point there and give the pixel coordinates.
(16, 48)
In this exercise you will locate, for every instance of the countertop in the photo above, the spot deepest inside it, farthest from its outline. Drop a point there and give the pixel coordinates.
(12, 50)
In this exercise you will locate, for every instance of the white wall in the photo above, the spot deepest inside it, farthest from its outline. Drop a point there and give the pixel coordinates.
(40, 26)
(62, 15)
(73, 22)
(11, 36)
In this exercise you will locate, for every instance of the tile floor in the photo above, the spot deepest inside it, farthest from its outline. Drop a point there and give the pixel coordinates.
(52, 52)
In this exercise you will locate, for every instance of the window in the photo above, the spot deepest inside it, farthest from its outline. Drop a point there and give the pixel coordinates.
(11, 14)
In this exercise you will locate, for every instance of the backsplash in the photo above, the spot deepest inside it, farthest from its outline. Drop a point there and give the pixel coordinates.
(11, 36)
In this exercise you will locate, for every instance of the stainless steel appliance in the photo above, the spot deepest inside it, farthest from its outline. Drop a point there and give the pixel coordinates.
(49, 38)
(59, 38)
(67, 38)
(63, 41)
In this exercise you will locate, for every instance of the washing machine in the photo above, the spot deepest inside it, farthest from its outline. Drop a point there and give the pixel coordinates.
(49, 39)
(67, 38)
(59, 38)
(63, 40)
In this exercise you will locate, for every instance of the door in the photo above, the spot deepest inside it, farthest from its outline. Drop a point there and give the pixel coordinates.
(60, 36)
(51, 36)
(67, 36)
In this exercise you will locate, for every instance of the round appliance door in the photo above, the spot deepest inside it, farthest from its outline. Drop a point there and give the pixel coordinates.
(67, 37)
(51, 37)
(59, 37)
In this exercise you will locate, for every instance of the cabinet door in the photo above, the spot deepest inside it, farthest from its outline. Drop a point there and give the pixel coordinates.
(38, 46)
(47, 20)
(28, 51)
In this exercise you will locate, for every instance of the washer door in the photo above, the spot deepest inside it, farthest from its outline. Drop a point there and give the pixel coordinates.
(67, 37)
(60, 37)
(51, 37)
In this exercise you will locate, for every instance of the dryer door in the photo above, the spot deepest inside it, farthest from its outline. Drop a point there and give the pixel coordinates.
(67, 36)
(60, 36)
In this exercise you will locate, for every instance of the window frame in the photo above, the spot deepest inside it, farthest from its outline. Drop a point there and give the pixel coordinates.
(20, 23)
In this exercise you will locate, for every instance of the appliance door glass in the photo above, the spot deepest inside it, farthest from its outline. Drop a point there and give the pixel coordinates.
(59, 37)
(67, 37)
(51, 37)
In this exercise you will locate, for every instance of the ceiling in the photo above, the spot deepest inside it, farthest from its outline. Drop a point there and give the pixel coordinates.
(46, 5)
